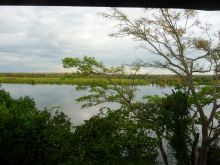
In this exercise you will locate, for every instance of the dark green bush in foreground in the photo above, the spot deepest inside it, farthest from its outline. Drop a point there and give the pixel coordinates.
(112, 139)
(32, 137)
(29, 136)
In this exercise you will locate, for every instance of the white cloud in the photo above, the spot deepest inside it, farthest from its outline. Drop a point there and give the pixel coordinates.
(37, 38)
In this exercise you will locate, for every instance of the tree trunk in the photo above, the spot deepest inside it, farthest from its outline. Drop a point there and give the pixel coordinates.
(195, 152)
(163, 153)
(204, 148)
(203, 155)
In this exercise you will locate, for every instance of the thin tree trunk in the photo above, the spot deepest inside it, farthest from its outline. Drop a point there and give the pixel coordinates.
(195, 152)
(204, 147)
(163, 153)
(204, 123)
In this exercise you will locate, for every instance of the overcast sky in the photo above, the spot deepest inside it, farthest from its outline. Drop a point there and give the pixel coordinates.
(36, 39)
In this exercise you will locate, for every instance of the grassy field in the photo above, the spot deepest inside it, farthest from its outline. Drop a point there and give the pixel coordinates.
(79, 79)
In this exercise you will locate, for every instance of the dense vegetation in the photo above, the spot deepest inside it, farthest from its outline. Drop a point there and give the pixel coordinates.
(171, 120)
(29, 136)
(111, 138)
(187, 46)
(81, 79)
(32, 136)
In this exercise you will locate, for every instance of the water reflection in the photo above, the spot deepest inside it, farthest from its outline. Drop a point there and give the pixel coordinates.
(64, 96)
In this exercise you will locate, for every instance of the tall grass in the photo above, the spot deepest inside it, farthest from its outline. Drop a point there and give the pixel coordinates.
(79, 79)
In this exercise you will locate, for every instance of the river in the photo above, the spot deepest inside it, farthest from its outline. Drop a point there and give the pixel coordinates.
(64, 96)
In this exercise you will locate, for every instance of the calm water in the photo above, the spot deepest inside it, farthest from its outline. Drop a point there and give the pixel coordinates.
(64, 96)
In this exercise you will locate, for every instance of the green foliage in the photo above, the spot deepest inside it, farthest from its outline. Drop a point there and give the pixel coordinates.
(213, 157)
(29, 136)
(205, 98)
(170, 34)
(127, 136)
(176, 109)
(204, 95)
(170, 116)
(112, 92)
(111, 138)
(150, 117)
(92, 79)
(106, 93)
(169, 119)
(87, 65)
(202, 44)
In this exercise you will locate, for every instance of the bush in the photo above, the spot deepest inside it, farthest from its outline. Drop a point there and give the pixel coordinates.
(29, 136)
(112, 139)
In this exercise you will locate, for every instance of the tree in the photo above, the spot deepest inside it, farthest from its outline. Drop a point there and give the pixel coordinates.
(30, 136)
(176, 107)
(112, 138)
(169, 119)
(115, 90)
(170, 34)
(151, 117)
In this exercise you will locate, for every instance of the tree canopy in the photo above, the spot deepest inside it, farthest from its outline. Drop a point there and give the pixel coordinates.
(29, 136)
(187, 47)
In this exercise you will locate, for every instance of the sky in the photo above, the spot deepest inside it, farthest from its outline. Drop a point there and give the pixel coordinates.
(36, 39)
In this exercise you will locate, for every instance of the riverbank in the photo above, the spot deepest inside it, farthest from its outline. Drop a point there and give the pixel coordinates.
(79, 79)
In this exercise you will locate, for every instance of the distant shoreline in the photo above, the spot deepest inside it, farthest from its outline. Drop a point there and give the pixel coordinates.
(79, 79)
